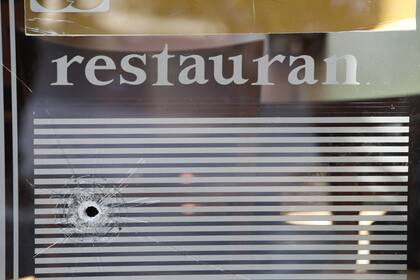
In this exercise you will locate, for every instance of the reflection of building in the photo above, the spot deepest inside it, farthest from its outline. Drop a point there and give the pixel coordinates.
(233, 16)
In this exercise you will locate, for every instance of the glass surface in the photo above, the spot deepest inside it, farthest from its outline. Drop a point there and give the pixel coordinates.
(220, 157)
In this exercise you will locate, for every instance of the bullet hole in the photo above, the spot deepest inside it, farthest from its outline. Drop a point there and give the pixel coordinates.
(90, 214)
(91, 211)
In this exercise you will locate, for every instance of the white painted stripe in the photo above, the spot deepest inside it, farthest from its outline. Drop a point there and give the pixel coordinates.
(219, 130)
(174, 229)
(241, 276)
(262, 258)
(205, 267)
(255, 169)
(231, 150)
(216, 248)
(210, 238)
(243, 179)
(216, 209)
(294, 218)
(230, 199)
(219, 140)
(219, 160)
(39, 190)
(268, 120)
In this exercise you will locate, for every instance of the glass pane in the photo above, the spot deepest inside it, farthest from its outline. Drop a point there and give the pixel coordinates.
(259, 156)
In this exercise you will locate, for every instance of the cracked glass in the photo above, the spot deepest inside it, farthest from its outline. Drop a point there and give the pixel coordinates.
(214, 140)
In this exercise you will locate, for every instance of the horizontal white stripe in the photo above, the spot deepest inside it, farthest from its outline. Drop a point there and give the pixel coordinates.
(204, 267)
(177, 170)
(279, 218)
(230, 199)
(242, 179)
(262, 258)
(69, 161)
(217, 140)
(227, 276)
(215, 248)
(211, 150)
(174, 229)
(294, 218)
(219, 130)
(222, 189)
(209, 238)
(263, 120)
(216, 209)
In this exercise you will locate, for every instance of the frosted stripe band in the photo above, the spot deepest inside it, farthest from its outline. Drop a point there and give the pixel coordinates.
(174, 229)
(232, 150)
(219, 140)
(215, 248)
(264, 257)
(125, 121)
(209, 238)
(204, 199)
(358, 169)
(239, 190)
(205, 267)
(245, 179)
(220, 130)
(179, 160)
